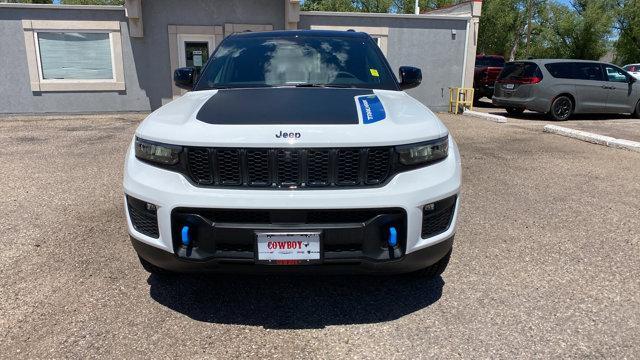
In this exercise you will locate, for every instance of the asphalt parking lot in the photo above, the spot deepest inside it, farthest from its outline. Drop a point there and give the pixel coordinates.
(546, 262)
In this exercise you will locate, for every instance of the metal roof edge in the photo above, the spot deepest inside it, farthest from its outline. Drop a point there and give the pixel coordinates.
(386, 15)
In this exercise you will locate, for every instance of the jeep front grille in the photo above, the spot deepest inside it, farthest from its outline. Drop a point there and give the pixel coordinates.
(289, 168)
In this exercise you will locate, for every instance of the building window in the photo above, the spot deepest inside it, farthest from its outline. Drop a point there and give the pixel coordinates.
(74, 56)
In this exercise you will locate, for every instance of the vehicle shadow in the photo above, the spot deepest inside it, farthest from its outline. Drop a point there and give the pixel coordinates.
(485, 103)
(294, 302)
(533, 116)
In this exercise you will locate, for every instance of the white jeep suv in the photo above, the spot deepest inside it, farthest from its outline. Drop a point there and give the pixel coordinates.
(294, 151)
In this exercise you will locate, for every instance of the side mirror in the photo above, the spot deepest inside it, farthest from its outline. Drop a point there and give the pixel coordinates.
(410, 77)
(632, 80)
(184, 77)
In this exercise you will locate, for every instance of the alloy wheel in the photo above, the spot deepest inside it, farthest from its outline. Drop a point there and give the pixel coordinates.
(562, 108)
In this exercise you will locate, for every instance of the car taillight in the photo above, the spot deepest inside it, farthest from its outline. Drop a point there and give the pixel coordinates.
(529, 80)
(521, 80)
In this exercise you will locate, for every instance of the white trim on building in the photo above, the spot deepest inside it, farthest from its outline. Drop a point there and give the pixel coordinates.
(31, 29)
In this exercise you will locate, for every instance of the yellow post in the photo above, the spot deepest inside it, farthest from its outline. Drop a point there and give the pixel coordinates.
(460, 96)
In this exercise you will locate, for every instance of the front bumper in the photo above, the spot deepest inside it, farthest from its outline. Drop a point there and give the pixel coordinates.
(508, 102)
(408, 191)
(414, 261)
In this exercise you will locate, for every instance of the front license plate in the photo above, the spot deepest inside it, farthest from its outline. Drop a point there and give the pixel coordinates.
(509, 86)
(288, 248)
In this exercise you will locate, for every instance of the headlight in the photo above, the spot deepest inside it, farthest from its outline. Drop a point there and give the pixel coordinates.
(424, 153)
(158, 153)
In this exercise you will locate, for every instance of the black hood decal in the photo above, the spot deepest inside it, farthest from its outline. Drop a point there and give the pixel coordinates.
(272, 106)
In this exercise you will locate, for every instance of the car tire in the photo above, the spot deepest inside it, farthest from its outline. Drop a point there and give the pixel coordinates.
(561, 108)
(152, 269)
(514, 111)
(636, 114)
(436, 269)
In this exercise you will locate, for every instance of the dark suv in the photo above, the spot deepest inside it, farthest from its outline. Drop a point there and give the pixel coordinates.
(561, 88)
(486, 72)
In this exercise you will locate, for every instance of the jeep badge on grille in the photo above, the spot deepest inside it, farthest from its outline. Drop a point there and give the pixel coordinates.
(293, 135)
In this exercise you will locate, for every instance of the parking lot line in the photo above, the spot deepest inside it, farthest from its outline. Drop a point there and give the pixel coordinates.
(593, 138)
(482, 115)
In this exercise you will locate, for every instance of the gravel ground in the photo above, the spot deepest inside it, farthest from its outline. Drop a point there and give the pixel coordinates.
(619, 126)
(546, 262)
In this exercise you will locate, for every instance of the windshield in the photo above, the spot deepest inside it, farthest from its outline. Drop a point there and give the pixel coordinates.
(260, 61)
(632, 68)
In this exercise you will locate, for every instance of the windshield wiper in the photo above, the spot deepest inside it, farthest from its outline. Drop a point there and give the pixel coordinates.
(244, 86)
(249, 86)
(324, 85)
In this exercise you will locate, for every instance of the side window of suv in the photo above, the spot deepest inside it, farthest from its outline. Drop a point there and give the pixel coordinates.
(576, 71)
(563, 70)
(616, 75)
(588, 71)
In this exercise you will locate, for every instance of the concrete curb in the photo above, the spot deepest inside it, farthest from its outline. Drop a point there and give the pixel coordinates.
(491, 117)
(593, 138)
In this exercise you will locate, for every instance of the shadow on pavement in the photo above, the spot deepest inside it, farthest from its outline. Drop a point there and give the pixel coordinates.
(532, 116)
(486, 105)
(294, 302)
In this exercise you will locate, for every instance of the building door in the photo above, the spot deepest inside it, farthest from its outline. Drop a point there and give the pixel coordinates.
(196, 54)
(190, 46)
(194, 50)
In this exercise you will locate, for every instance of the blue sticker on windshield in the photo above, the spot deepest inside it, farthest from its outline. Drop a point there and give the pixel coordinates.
(371, 109)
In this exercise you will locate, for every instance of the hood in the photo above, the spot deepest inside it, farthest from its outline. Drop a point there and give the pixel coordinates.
(296, 117)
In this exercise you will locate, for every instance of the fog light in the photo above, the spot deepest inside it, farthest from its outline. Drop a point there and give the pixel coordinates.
(430, 207)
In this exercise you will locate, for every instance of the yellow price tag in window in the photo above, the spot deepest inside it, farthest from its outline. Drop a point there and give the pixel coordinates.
(374, 72)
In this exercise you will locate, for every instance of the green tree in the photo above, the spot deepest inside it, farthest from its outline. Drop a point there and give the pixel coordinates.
(328, 5)
(28, 1)
(546, 29)
(579, 32)
(502, 27)
(92, 2)
(374, 6)
(627, 46)
(408, 6)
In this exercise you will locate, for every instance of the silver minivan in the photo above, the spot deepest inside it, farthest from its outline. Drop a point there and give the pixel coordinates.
(561, 88)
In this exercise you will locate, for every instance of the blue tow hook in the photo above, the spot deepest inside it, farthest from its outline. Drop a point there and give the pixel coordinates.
(393, 237)
(186, 241)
